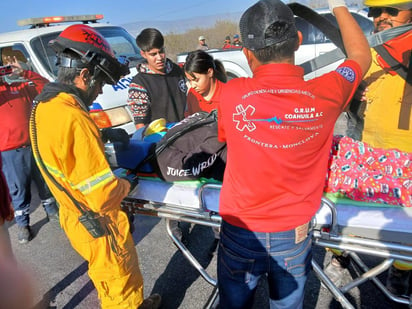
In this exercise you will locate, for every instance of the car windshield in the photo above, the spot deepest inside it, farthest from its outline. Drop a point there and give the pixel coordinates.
(120, 40)
(312, 35)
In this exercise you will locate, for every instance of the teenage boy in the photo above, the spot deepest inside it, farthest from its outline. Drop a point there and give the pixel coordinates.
(159, 89)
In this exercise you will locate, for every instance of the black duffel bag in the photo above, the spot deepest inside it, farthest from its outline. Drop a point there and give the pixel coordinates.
(190, 150)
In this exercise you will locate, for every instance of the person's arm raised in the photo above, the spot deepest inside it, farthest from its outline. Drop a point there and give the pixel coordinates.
(354, 40)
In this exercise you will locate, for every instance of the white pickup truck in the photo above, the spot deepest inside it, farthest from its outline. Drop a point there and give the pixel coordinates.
(30, 47)
(314, 44)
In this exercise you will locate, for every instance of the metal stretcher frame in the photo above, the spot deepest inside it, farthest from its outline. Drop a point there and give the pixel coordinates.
(196, 215)
(333, 227)
(332, 235)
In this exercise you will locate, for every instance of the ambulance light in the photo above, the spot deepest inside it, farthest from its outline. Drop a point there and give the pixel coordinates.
(38, 22)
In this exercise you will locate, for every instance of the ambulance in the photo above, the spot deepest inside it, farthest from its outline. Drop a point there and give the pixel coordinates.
(30, 47)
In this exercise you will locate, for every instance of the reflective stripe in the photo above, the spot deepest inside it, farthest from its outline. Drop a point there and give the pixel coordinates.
(54, 171)
(96, 181)
(23, 212)
(336, 251)
(49, 200)
(85, 186)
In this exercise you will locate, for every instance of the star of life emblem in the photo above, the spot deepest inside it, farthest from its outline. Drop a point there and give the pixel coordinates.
(242, 116)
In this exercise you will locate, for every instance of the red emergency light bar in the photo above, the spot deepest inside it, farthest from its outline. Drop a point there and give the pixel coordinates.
(38, 22)
(53, 19)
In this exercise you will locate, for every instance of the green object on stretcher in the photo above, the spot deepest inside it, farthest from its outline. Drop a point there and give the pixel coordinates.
(339, 198)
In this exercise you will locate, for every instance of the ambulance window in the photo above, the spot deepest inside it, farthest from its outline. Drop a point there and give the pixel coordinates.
(18, 51)
(123, 44)
(312, 35)
(44, 53)
(365, 23)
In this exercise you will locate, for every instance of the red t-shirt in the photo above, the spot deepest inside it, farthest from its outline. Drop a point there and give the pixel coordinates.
(196, 103)
(278, 130)
(15, 108)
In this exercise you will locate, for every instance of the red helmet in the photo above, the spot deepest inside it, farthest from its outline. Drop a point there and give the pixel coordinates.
(93, 50)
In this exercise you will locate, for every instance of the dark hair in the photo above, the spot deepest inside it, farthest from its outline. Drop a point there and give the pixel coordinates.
(200, 62)
(150, 38)
(67, 75)
(279, 51)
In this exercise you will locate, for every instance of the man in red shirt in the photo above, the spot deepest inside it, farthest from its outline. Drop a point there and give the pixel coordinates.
(17, 92)
(226, 43)
(278, 128)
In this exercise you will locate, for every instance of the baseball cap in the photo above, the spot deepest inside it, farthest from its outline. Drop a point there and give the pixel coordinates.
(227, 38)
(256, 20)
(236, 36)
(201, 38)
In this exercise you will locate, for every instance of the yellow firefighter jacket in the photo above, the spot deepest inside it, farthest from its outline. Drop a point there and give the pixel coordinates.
(388, 116)
(71, 148)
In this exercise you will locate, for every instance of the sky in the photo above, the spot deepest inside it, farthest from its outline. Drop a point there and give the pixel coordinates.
(117, 12)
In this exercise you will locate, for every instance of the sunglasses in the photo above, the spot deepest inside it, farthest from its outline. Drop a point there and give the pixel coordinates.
(377, 11)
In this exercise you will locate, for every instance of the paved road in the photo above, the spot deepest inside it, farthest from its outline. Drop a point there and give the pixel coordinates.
(61, 280)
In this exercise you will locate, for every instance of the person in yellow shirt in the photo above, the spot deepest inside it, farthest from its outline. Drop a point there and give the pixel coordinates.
(384, 119)
(69, 151)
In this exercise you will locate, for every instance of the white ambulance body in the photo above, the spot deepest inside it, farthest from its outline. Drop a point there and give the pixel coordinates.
(30, 47)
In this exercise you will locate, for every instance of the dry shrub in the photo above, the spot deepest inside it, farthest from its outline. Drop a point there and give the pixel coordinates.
(187, 41)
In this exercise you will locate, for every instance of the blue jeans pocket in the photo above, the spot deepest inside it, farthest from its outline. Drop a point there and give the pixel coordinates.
(298, 262)
(236, 267)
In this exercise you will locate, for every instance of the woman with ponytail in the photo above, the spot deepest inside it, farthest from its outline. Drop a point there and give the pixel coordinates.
(205, 75)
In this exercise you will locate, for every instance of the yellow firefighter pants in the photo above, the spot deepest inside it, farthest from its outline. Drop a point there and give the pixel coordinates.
(113, 263)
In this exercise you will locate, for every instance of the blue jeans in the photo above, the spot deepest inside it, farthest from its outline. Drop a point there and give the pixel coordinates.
(245, 256)
(18, 168)
(17, 171)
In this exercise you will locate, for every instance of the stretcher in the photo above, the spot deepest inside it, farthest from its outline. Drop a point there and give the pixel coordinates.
(372, 229)
(382, 231)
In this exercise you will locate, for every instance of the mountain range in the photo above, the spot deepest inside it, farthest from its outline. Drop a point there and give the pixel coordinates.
(180, 26)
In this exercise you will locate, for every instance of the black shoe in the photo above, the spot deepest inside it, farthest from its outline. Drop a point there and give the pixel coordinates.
(336, 267)
(397, 281)
(152, 302)
(24, 235)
